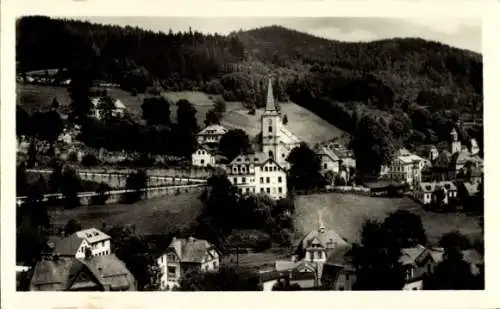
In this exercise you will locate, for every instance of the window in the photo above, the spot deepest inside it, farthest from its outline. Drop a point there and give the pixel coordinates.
(268, 190)
(325, 166)
(265, 168)
(261, 190)
(248, 190)
(280, 190)
(202, 161)
(215, 265)
(235, 180)
(279, 179)
(261, 179)
(270, 129)
(171, 271)
(268, 180)
(243, 180)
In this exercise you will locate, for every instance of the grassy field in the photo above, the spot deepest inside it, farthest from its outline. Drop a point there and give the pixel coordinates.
(301, 122)
(257, 260)
(345, 213)
(154, 216)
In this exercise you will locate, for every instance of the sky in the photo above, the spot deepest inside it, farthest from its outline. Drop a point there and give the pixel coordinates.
(459, 32)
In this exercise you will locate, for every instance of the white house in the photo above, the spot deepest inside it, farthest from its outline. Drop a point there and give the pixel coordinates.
(329, 160)
(76, 244)
(211, 134)
(97, 111)
(257, 173)
(183, 255)
(406, 167)
(425, 192)
(203, 156)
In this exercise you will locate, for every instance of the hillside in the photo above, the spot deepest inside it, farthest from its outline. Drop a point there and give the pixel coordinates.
(404, 91)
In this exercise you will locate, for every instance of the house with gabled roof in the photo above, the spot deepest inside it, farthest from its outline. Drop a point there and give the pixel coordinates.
(76, 244)
(184, 255)
(93, 273)
(257, 174)
(211, 134)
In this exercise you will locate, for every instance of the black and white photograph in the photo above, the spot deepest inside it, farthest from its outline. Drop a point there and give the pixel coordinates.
(249, 154)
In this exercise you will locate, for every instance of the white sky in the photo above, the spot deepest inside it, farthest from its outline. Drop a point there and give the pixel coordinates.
(459, 32)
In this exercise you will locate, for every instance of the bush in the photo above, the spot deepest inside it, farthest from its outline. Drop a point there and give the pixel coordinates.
(90, 160)
(254, 239)
(72, 157)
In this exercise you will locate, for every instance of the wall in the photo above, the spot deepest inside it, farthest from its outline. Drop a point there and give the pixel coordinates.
(116, 196)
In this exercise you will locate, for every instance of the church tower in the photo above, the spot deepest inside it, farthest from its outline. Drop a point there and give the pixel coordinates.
(456, 146)
(271, 127)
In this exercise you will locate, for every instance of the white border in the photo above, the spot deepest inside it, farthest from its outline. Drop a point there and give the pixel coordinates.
(487, 10)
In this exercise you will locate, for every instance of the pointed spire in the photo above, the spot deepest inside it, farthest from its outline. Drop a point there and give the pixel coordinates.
(270, 106)
(321, 225)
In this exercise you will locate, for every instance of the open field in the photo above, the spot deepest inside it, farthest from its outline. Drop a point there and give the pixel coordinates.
(301, 122)
(153, 216)
(257, 260)
(345, 213)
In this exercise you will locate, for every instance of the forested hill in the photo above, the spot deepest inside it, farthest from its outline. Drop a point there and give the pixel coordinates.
(407, 90)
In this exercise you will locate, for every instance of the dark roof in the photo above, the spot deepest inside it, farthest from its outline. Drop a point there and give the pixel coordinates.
(190, 250)
(340, 257)
(59, 275)
(66, 246)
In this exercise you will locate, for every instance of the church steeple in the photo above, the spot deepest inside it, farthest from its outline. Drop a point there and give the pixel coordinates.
(270, 105)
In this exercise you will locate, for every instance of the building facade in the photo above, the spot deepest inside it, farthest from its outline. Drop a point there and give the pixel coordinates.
(183, 255)
(405, 167)
(203, 157)
(257, 173)
(212, 134)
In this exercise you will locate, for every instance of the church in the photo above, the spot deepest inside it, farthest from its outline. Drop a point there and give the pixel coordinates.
(277, 141)
(265, 171)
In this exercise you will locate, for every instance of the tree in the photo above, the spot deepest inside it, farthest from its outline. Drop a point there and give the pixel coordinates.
(405, 229)
(156, 111)
(234, 143)
(134, 250)
(24, 125)
(71, 227)
(283, 284)
(376, 260)
(186, 128)
(212, 117)
(55, 104)
(226, 279)
(135, 182)
(305, 168)
(79, 91)
(70, 186)
(455, 240)
(453, 273)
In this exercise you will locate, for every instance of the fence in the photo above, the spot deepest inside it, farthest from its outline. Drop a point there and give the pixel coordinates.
(337, 189)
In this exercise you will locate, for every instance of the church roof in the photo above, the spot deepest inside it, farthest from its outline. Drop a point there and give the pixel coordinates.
(270, 104)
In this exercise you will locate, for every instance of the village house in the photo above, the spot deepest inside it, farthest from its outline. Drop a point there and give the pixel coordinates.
(417, 262)
(76, 244)
(204, 156)
(94, 273)
(183, 255)
(212, 134)
(405, 167)
(98, 108)
(427, 192)
(329, 160)
(318, 259)
(257, 173)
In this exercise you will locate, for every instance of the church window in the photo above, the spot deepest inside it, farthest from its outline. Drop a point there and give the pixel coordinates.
(271, 154)
(270, 129)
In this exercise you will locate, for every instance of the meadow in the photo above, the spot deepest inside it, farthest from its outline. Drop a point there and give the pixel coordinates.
(345, 213)
(155, 216)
